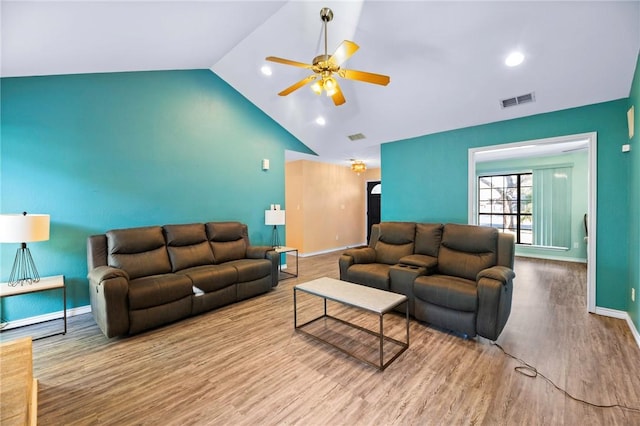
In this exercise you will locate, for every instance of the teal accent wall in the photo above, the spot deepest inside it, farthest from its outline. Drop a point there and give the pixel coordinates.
(425, 179)
(105, 151)
(579, 194)
(634, 202)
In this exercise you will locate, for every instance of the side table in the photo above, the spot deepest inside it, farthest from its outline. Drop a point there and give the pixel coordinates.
(286, 274)
(45, 284)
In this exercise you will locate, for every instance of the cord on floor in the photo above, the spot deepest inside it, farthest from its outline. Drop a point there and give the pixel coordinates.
(528, 370)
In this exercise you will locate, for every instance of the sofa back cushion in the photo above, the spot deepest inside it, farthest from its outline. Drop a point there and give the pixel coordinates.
(187, 246)
(467, 249)
(228, 240)
(139, 251)
(395, 240)
(428, 238)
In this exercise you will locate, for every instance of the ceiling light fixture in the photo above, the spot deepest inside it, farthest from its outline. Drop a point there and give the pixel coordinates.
(358, 166)
(321, 121)
(514, 59)
(266, 70)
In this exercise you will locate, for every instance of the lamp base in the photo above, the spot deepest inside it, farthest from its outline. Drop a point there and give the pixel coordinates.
(275, 240)
(24, 269)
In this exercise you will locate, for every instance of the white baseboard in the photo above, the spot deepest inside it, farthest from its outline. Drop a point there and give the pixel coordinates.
(45, 317)
(634, 330)
(331, 250)
(614, 313)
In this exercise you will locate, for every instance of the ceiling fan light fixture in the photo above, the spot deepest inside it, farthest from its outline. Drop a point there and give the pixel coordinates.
(317, 87)
(330, 86)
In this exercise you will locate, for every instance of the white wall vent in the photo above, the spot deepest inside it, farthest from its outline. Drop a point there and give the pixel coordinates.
(517, 100)
(356, 137)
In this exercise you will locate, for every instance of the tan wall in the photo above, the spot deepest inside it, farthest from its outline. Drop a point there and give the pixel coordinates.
(325, 205)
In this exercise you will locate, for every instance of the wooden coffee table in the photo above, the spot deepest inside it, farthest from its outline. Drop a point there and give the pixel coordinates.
(358, 296)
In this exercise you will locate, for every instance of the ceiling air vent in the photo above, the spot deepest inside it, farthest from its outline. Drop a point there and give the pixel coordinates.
(356, 137)
(522, 99)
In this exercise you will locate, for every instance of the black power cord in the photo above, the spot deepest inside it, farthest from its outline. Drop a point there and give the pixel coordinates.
(528, 370)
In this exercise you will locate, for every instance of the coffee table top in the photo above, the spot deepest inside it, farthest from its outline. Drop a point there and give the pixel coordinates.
(359, 296)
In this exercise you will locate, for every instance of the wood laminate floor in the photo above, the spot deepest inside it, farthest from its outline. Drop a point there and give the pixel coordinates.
(245, 365)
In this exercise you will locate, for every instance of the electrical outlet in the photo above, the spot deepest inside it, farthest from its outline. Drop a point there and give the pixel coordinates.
(337, 237)
(633, 294)
(576, 245)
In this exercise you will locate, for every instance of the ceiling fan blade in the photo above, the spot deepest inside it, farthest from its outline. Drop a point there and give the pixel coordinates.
(298, 85)
(343, 52)
(367, 77)
(338, 97)
(287, 62)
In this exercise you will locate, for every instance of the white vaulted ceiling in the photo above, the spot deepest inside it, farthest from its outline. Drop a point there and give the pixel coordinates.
(445, 59)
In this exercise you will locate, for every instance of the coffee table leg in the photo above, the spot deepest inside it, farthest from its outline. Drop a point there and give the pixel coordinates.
(381, 342)
(407, 305)
(295, 309)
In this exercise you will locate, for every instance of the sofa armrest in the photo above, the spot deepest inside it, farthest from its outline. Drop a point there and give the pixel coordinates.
(353, 256)
(361, 255)
(108, 292)
(495, 291)
(267, 252)
(401, 278)
(421, 261)
(258, 252)
(102, 273)
(499, 273)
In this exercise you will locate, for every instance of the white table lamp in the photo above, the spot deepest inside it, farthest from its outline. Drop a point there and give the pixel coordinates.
(275, 218)
(23, 228)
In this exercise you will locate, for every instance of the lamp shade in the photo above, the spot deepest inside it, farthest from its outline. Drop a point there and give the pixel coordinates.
(274, 217)
(21, 228)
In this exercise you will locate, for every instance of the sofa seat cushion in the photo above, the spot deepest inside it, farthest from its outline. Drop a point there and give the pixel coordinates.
(447, 291)
(370, 274)
(157, 290)
(210, 278)
(251, 269)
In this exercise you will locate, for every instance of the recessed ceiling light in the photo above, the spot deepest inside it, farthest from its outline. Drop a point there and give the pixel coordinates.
(321, 121)
(266, 70)
(514, 59)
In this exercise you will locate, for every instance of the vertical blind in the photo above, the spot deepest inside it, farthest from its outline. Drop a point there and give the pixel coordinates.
(552, 207)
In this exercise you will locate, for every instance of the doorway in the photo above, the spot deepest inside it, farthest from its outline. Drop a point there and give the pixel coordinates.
(374, 194)
(590, 223)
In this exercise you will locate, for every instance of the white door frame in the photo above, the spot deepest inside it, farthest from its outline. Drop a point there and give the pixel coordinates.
(592, 139)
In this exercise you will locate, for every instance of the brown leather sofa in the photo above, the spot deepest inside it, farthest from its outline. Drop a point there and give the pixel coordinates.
(141, 278)
(458, 277)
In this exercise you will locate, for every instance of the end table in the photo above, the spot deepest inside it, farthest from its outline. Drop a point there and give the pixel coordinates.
(45, 284)
(286, 274)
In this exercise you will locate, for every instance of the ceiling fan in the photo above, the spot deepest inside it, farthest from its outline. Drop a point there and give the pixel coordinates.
(324, 68)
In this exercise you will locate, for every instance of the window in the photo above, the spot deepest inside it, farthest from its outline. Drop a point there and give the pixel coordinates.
(505, 202)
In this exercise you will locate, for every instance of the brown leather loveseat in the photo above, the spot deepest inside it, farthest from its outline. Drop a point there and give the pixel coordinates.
(141, 278)
(458, 277)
